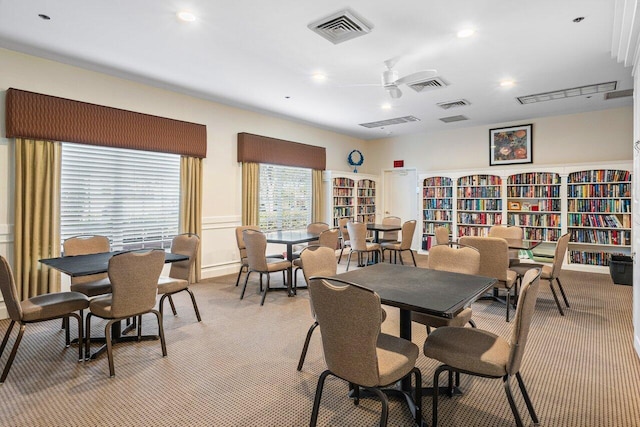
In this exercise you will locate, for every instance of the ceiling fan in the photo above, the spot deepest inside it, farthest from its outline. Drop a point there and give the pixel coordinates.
(390, 80)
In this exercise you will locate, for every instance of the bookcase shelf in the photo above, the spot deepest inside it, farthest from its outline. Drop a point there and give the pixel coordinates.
(479, 204)
(349, 195)
(437, 207)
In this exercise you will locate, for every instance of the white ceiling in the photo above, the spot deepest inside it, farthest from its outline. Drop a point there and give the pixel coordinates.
(256, 53)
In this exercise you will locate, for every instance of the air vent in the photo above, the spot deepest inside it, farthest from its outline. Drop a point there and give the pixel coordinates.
(429, 84)
(618, 94)
(453, 104)
(452, 119)
(567, 93)
(341, 26)
(396, 121)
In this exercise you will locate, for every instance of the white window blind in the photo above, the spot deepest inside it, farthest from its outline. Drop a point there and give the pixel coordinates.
(285, 197)
(130, 196)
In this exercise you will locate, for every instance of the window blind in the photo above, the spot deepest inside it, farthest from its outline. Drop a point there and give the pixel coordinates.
(130, 196)
(285, 197)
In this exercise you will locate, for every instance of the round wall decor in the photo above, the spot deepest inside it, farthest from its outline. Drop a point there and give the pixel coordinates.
(355, 159)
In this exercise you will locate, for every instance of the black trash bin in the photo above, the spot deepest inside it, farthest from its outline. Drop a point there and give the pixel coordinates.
(621, 269)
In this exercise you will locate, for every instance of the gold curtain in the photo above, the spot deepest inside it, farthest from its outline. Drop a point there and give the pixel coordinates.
(317, 196)
(37, 216)
(191, 204)
(250, 193)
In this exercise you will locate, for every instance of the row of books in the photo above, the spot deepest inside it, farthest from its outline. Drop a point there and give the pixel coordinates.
(366, 192)
(366, 183)
(542, 234)
(534, 178)
(591, 258)
(534, 192)
(548, 220)
(430, 227)
(599, 190)
(335, 219)
(366, 218)
(476, 192)
(366, 209)
(435, 215)
(437, 192)
(480, 180)
(342, 192)
(600, 205)
(599, 175)
(601, 237)
(339, 212)
(594, 220)
(342, 182)
(550, 205)
(437, 181)
(472, 231)
(342, 201)
(437, 204)
(366, 200)
(479, 218)
(480, 205)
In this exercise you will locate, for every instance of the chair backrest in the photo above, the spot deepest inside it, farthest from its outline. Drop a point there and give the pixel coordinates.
(342, 225)
(9, 291)
(317, 227)
(464, 259)
(494, 255)
(256, 247)
(358, 235)
(408, 229)
(561, 250)
(318, 261)
(391, 220)
(329, 238)
(240, 238)
(184, 244)
(506, 231)
(134, 281)
(522, 322)
(84, 245)
(350, 318)
(442, 235)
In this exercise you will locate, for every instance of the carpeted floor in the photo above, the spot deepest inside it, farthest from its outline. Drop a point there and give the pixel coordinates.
(238, 367)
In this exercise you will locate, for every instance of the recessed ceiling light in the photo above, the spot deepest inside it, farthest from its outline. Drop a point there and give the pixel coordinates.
(579, 19)
(386, 106)
(507, 83)
(186, 16)
(43, 16)
(319, 77)
(467, 32)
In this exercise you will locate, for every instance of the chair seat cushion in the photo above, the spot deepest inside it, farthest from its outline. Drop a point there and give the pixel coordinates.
(469, 349)
(95, 288)
(169, 285)
(277, 265)
(101, 306)
(546, 272)
(373, 246)
(392, 246)
(396, 358)
(437, 322)
(512, 276)
(52, 305)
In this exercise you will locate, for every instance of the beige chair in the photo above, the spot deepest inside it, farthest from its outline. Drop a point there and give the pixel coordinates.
(551, 272)
(36, 309)
(242, 248)
(317, 228)
(494, 262)
(256, 246)
(358, 240)
(95, 284)
(482, 353)
(442, 235)
(390, 236)
(354, 348)
(328, 239)
(408, 229)
(179, 277)
(134, 287)
(508, 232)
(344, 235)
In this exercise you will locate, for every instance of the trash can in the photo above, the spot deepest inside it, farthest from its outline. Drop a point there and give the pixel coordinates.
(621, 269)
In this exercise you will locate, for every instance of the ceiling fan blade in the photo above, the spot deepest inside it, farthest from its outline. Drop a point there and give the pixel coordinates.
(417, 76)
(394, 91)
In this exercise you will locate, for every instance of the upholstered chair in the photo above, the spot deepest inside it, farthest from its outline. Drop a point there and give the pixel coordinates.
(344, 235)
(242, 248)
(408, 229)
(509, 232)
(95, 284)
(358, 239)
(442, 235)
(390, 236)
(328, 239)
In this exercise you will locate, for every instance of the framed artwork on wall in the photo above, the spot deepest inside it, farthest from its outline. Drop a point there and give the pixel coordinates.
(511, 145)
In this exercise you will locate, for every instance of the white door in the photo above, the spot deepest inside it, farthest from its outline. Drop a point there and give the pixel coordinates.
(400, 197)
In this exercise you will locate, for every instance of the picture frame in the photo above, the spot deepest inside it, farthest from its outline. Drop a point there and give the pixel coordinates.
(526, 206)
(514, 206)
(511, 145)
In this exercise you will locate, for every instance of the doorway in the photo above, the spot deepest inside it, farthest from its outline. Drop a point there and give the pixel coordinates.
(401, 197)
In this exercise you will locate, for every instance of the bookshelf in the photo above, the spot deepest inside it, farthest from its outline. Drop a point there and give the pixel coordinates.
(598, 215)
(437, 207)
(366, 202)
(349, 195)
(479, 204)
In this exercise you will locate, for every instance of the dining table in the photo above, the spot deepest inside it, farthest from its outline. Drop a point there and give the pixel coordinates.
(290, 238)
(377, 228)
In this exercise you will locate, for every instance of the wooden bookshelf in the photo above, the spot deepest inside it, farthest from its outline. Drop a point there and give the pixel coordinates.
(437, 207)
(479, 204)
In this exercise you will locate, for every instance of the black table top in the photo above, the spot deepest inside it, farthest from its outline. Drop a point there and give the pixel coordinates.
(85, 265)
(290, 236)
(434, 292)
(383, 227)
(522, 244)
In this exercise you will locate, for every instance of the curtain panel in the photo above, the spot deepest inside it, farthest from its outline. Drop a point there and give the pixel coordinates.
(250, 193)
(191, 204)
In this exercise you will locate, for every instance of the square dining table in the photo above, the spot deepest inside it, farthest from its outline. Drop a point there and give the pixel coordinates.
(290, 238)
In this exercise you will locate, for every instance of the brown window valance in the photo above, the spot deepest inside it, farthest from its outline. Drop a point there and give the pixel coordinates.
(262, 149)
(36, 116)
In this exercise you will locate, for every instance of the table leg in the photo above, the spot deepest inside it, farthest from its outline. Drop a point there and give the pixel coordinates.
(116, 337)
(290, 270)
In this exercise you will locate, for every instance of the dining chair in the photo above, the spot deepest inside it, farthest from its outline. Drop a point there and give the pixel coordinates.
(134, 288)
(508, 232)
(256, 246)
(408, 229)
(95, 284)
(485, 354)
(40, 308)
(494, 262)
(442, 235)
(242, 248)
(316, 228)
(344, 235)
(358, 241)
(355, 349)
(328, 239)
(180, 273)
(390, 236)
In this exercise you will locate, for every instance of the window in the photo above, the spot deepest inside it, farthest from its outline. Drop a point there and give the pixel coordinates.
(130, 196)
(285, 197)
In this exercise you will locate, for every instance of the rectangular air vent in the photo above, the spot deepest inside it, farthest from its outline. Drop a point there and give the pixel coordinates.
(429, 84)
(618, 94)
(396, 121)
(452, 119)
(341, 26)
(567, 93)
(453, 104)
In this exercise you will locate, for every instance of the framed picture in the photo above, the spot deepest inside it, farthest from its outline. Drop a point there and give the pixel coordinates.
(511, 145)
(526, 206)
(514, 206)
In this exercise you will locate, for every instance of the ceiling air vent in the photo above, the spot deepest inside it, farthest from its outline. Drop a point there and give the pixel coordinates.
(453, 104)
(452, 119)
(341, 26)
(618, 94)
(567, 93)
(396, 121)
(429, 84)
